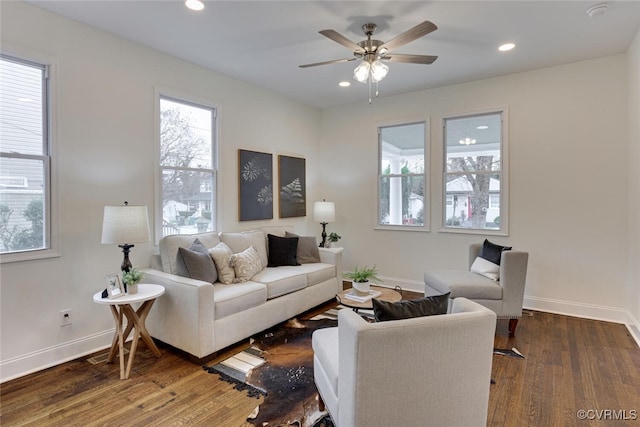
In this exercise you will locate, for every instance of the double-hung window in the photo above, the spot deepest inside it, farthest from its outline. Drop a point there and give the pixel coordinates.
(403, 197)
(187, 167)
(25, 161)
(474, 174)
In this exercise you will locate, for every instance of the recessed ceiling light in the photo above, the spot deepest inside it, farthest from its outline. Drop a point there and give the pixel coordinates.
(597, 10)
(506, 47)
(194, 4)
(344, 84)
(482, 127)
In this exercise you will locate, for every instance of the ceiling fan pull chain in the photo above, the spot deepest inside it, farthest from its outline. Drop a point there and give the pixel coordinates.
(370, 89)
(376, 89)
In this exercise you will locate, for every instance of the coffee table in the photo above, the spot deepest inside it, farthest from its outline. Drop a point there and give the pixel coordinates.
(386, 294)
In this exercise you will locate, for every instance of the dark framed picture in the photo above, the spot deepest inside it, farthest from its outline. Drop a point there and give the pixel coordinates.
(255, 174)
(292, 186)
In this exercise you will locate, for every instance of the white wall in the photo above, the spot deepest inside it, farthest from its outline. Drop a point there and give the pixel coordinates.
(568, 182)
(633, 90)
(104, 154)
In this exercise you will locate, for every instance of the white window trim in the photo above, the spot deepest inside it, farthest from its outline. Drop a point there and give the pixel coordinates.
(52, 222)
(427, 181)
(179, 96)
(504, 184)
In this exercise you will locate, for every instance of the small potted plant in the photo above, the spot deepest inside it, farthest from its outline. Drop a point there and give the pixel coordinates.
(131, 279)
(333, 238)
(360, 278)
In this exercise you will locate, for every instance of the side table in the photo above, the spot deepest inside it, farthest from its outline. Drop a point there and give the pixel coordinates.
(121, 307)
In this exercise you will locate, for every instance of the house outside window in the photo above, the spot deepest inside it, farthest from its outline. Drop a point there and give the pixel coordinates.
(187, 167)
(25, 161)
(403, 199)
(474, 179)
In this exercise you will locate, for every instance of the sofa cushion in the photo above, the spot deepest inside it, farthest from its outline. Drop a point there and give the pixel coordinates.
(488, 261)
(325, 347)
(239, 241)
(315, 273)
(169, 247)
(428, 306)
(221, 255)
(196, 263)
(308, 251)
(281, 281)
(463, 284)
(246, 264)
(282, 251)
(238, 297)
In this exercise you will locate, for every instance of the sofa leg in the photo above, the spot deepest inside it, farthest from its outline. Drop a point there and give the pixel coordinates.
(321, 406)
(513, 323)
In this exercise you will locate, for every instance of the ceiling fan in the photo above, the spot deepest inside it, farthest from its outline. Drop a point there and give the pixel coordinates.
(372, 52)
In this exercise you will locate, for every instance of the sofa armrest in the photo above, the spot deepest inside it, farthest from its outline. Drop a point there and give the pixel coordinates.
(513, 276)
(333, 256)
(183, 317)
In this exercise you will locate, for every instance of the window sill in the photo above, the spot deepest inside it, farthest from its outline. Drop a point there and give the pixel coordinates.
(418, 229)
(475, 231)
(28, 256)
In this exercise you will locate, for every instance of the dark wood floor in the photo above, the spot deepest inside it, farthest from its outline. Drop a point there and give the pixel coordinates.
(571, 365)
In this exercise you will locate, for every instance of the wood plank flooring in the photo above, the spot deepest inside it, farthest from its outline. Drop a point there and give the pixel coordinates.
(571, 364)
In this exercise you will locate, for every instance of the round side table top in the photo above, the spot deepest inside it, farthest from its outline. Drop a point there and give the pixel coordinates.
(145, 293)
(386, 294)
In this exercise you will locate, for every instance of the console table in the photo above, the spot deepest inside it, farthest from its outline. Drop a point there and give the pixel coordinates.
(120, 308)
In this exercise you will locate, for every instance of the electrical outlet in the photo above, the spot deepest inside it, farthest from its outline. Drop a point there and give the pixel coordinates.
(65, 317)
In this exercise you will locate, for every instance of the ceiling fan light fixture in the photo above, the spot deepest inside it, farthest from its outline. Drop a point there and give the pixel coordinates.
(361, 73)
(506, 47)
(379, 71)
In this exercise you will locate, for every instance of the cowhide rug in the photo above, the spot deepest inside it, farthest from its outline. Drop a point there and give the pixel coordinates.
(285, 377)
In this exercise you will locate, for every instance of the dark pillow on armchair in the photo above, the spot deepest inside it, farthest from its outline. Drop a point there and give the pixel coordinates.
(488, 261)
(428, 306)
(282, 251)
(196, 263)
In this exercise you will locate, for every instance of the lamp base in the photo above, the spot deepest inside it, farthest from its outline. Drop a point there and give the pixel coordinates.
(126, 263)
(324, 235)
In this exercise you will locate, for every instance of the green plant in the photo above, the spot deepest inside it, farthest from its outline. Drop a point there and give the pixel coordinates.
(132, 276)
(363, 274)
(334, 237)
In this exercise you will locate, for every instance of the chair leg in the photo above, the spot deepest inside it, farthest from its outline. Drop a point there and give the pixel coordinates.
(321, 406)
(513, 323)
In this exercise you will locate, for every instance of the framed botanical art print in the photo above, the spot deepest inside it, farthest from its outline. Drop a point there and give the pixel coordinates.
(255, 175)
(292, 186)
(114, 285)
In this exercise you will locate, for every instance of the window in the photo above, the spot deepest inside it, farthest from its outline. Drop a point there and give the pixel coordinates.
(402, 180)
(25, 161)
(187, 167)
(474, 178)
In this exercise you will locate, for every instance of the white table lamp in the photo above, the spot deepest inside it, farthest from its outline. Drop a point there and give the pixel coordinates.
(124, 225)
(324, 212)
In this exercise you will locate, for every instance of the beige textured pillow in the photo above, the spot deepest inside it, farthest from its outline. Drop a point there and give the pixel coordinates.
(246, 264)
(221, 254)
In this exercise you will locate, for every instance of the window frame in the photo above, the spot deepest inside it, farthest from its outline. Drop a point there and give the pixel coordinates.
(504, 174)
(426, 208)
(50, 221)
(179, 97)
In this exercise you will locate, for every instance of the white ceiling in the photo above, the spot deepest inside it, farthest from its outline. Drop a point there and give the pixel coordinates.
(263, 42)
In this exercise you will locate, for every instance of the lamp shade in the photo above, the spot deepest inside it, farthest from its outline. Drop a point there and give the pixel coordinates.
(125, 224)
(324, 211)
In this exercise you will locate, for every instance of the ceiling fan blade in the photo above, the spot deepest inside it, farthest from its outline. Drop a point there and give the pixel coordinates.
(333, 61)
(410, 35)
(339, 38)
(410, 59)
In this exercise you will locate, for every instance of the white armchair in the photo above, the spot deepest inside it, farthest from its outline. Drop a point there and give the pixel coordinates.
(433, 370)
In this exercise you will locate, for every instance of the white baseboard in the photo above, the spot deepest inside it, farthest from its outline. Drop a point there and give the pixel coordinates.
(52, 356)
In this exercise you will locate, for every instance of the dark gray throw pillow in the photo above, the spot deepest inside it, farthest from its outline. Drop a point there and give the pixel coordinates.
(308, 251)
(492, 252)
(428, 306)
(282, 251)
(196, 263)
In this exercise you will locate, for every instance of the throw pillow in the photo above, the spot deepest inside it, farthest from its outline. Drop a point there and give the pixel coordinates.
(246, 264)
(221, 255)
(487, 263)
(282, 251)
(428, 306)
(194, 262)
(308, 251)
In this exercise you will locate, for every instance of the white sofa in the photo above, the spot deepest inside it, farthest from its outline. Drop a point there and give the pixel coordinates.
(202, 318)
(423, 371)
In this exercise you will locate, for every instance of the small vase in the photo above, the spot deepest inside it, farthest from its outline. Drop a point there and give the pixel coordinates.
(362, 288)
(132, 289)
